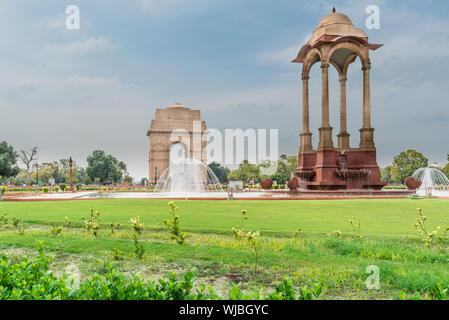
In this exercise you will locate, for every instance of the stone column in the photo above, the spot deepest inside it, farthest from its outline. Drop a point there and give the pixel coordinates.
(306, 135)
(325, 130)
(366, 133)
(343, 136)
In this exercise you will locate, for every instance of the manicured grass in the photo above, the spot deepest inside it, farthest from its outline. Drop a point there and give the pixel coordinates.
(390, 218)
(390, 242)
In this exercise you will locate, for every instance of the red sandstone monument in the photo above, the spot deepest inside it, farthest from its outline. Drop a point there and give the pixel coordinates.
(336, 42)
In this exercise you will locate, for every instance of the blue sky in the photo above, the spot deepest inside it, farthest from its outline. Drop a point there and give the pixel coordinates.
(70, 92)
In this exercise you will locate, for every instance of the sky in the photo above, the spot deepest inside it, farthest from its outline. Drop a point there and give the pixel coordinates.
(70, 92)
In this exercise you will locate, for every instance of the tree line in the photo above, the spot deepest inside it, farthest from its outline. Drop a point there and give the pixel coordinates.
(101, 169)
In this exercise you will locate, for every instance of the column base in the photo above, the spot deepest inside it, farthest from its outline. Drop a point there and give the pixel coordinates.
(343, 141)
(325, 139)
(306, 142)
(367, 139)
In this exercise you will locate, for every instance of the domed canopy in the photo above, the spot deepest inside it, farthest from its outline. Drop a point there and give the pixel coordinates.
(336, 24)
(332, 29)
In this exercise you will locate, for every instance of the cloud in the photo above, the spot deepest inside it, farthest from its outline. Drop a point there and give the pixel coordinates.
(175, 7)
(56, 22)
(91, 45)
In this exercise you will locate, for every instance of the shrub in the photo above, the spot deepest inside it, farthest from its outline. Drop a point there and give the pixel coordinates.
(139, 248)
(67, 223)
(91, 225)
(63, 187)
(45, 189)
(19, 225)
(420, 226)
(32, 280)
(355, 224)
(2, 190)
(117, 254)
(79, 187)
(56, 230)
(173, 224)
(136, 225)
(4, 219)
(56, 189)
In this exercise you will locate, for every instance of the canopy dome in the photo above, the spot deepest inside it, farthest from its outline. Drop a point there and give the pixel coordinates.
(333, 29)
(336, 24)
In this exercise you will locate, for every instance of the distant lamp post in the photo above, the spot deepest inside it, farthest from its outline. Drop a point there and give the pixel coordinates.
(71, 175)
(155, 175)
(36, 166)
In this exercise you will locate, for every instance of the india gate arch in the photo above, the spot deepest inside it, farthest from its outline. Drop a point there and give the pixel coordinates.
(175, 126)
(335, 166)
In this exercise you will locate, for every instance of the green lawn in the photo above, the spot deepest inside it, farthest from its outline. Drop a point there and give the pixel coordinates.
(389, 241)
(390, 218)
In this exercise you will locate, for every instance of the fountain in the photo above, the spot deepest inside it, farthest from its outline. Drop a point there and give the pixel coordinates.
(188, 176)
(433, 181)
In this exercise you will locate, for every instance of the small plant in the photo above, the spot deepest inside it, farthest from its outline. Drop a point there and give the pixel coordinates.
(355, 224)
(4, 219)
(63, 187)
(19, 225)
(337, 234)
(56, 189)
(56, 230)
(239, 234)
(2, 190)
(251, 239)
(117, 254)
(136, 225)
(103, 264)
(285, 291)
(139, 248)
(173, 224)
(91, 225)
(420, 226)
(67, 223)
(113, 226)
(45, 189)
(298, 232)
(79, 187)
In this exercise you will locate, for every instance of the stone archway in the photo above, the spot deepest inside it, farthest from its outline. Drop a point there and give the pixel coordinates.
(175, 127)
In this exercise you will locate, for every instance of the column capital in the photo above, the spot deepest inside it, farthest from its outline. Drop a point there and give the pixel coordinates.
(324, 65)
(343, 79)
(365, 68)
(303, 77)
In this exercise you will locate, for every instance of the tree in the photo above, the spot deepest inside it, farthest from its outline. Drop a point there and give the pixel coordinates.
(128, 179)
(28, 157)
(246, 172)
(386, 174)
(446, 167)
(59, 171)
(219, 171)
(104, 168)
(285, 166)
(8, 161)
(406, 163)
